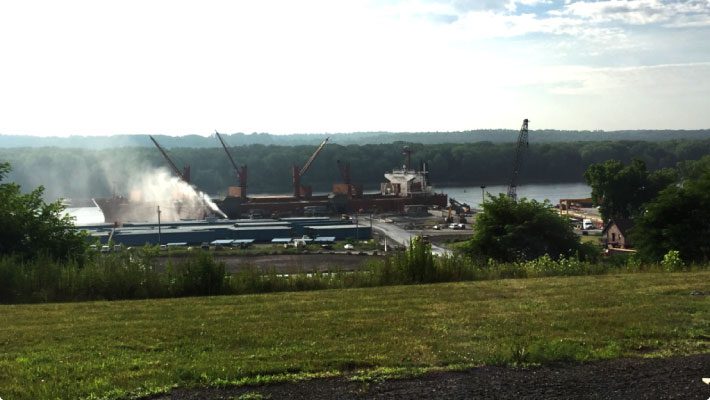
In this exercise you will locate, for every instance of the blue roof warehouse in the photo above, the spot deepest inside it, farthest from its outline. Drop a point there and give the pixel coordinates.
(196, 232)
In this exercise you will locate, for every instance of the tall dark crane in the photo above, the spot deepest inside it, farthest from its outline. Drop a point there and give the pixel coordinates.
(408, 153)
(299, 172)
(517, 162)
(185, 174)
(345, 173)
(241, 171)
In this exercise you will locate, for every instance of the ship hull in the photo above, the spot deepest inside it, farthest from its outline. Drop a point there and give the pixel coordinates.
(119, 210)
(236, 208)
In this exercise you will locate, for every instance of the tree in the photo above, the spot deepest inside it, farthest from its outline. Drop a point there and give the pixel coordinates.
(678, 219)
(621, 190)
(31, 227)
(518, 231)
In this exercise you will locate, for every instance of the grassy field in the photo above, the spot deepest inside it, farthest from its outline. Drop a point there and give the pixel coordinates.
(127, 348)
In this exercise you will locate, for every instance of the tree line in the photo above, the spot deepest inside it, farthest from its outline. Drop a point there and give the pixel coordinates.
(360, 138)
(83, 173)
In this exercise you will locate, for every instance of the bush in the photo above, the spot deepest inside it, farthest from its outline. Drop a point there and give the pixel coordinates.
(32, 228)
(512, 231)
(135, 275)
(672, 261)
(199, 275)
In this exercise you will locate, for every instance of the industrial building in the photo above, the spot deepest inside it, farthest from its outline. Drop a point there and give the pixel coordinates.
(241, 231)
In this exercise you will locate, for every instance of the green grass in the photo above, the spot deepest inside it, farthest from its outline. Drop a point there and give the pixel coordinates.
(594, 239)
(127, 348)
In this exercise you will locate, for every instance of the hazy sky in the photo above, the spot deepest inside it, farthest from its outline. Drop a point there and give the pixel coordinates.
(179, 67)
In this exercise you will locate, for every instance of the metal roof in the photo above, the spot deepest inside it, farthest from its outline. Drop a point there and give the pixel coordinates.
(350, 226)
(298, 219)
(222, 242)
(262, 228)
(230, 242)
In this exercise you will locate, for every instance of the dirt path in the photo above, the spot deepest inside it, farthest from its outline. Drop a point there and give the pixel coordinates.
(635, 378)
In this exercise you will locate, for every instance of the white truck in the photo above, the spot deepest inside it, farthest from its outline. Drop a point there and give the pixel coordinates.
(587, 224)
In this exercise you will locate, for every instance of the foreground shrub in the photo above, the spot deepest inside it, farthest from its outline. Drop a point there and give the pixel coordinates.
(199, 275)
(136, 275)
(510, 231)
(672, 261)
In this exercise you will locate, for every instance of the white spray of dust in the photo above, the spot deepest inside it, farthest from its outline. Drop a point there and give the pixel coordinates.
(177, 199)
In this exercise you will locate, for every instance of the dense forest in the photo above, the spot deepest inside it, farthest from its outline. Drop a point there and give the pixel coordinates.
(241, 139)
(82, 173)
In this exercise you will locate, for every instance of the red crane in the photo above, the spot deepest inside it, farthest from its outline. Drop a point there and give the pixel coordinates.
(241, 171)
(299, 172)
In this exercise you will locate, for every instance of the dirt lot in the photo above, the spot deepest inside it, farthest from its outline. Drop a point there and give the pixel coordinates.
(635, 378)
(298, 263)
(292, 263)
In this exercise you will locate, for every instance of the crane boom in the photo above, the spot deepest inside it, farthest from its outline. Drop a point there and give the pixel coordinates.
(176, 170)
(517, 162)
(313, 157)
(298, 172)
(241, 172)
(227, 151)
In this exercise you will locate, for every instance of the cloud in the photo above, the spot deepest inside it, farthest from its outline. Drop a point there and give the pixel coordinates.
(657, 80)
(689, 21)
(319, 65)
(637, 12)
(605, 21)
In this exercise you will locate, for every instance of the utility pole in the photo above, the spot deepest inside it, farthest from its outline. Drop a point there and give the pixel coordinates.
(357, 228)
(159, 232)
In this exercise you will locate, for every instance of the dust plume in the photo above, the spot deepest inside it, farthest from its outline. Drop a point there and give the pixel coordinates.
(177, 199)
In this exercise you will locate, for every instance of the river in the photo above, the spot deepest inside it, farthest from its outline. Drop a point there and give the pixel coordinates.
(471, 195)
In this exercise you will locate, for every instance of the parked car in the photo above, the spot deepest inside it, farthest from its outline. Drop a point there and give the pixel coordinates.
(348, 247)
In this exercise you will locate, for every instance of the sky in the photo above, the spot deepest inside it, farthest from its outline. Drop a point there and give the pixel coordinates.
(192, 67)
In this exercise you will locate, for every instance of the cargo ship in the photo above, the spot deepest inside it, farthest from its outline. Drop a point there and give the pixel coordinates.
(405, 188)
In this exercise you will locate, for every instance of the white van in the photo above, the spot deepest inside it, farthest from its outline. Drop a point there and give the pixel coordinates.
(587, 224)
